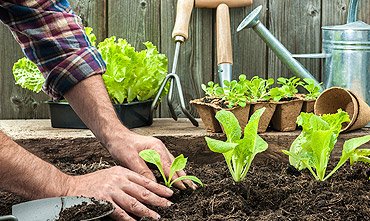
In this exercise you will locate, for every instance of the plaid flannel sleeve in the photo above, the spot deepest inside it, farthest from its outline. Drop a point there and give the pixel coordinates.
(53, 37)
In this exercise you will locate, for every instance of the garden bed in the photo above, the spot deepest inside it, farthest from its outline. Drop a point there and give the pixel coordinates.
(272, 190)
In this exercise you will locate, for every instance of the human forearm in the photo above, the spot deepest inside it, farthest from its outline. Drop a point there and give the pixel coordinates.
(27, 175)
(90, 100)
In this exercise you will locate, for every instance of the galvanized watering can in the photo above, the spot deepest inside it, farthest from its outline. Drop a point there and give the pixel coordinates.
(346, 49)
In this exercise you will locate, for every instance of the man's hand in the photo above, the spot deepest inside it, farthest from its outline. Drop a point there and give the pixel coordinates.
(127, 190)
(90, 100)
(126, 148)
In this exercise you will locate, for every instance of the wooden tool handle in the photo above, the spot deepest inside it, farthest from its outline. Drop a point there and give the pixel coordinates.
(223, 35)
(183, 14)
(216, 3)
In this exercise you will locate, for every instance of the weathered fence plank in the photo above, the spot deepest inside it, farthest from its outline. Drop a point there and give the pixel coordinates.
(296, 23)
(93, 14)
(135, 20)
(16, 102)
(249, 51)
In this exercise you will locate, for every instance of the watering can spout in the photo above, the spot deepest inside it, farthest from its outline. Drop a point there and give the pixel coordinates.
(252, 21)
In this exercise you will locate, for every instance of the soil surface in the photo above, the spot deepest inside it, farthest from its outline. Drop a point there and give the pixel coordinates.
(85, 211)
(272, 191)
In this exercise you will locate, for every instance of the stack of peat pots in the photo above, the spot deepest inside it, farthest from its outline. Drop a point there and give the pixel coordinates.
(280, 115)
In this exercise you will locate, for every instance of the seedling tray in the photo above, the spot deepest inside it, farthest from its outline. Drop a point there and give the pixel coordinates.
(132, 115)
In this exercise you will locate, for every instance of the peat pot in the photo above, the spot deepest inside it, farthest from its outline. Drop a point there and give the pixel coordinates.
(132, 115)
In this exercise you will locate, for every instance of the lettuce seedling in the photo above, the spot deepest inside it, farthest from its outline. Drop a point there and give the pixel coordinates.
(213, 90)
(238, 152)
(312, 148)
(152, 156)
(312, 89)
(288, 88)
(258, 88)
(234, 93)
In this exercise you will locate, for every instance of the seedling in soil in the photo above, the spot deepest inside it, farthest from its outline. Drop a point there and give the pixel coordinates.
(312, 148)
(258, 88)
(213, 90)
(152, 156)
(312, 89)
(287, 90)
(238, 152)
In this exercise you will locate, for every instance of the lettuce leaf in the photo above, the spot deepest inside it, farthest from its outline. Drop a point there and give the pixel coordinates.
(312, 148)
(238, 152)
(132, 75)
(27, 75)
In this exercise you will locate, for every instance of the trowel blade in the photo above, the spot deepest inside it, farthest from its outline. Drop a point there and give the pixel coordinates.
(48, 209)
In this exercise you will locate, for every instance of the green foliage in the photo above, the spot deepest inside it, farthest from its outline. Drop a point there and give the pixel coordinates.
(238, 152)
(288, 88)
(152, 156)
(239, 93)
(312, 148)
(258, 88)
(213, 90)
(312, 89)
(27, 75)
(234, 93)
(90, 35)
(132, 75)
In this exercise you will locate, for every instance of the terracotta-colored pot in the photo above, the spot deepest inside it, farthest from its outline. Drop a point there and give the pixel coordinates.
(308, 106)
(207, 113)
(286, 113)
(242, 114)
(266, 116)
(336, 98)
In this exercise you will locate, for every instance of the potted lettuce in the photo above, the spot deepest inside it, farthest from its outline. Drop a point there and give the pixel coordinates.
(132, 80)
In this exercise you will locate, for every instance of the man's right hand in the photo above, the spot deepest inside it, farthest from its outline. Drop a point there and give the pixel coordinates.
(127, 190)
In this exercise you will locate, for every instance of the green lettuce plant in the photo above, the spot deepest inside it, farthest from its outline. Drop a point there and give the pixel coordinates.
(312, 148)
(287, 90)
(258, 88)
(313, 90)
(130, 75)
(152, 156)
(27, 75)
(238, 151)
(213, 90)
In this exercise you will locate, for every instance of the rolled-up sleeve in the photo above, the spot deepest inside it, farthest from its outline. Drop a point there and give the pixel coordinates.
(52, 36)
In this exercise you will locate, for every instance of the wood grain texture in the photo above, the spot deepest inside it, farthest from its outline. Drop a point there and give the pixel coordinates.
(195, 64)
(297, 25)
(223, 35)
(93, 14)
(16, 102)
(137, 21)
(334, 12)
(249, 51)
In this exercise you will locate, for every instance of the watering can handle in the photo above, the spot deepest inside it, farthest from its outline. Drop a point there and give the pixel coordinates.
(352, 13)
(8, 218)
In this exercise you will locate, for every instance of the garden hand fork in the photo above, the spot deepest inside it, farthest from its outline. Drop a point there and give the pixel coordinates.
(180, 35)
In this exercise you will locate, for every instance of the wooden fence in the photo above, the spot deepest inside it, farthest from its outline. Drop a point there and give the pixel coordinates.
(296, 23)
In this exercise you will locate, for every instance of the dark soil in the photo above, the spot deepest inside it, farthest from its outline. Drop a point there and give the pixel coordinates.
(85, 211)
(272, 191)
(216, 101)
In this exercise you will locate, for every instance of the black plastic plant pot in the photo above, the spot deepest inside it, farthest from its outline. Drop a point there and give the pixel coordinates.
(132, 115)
